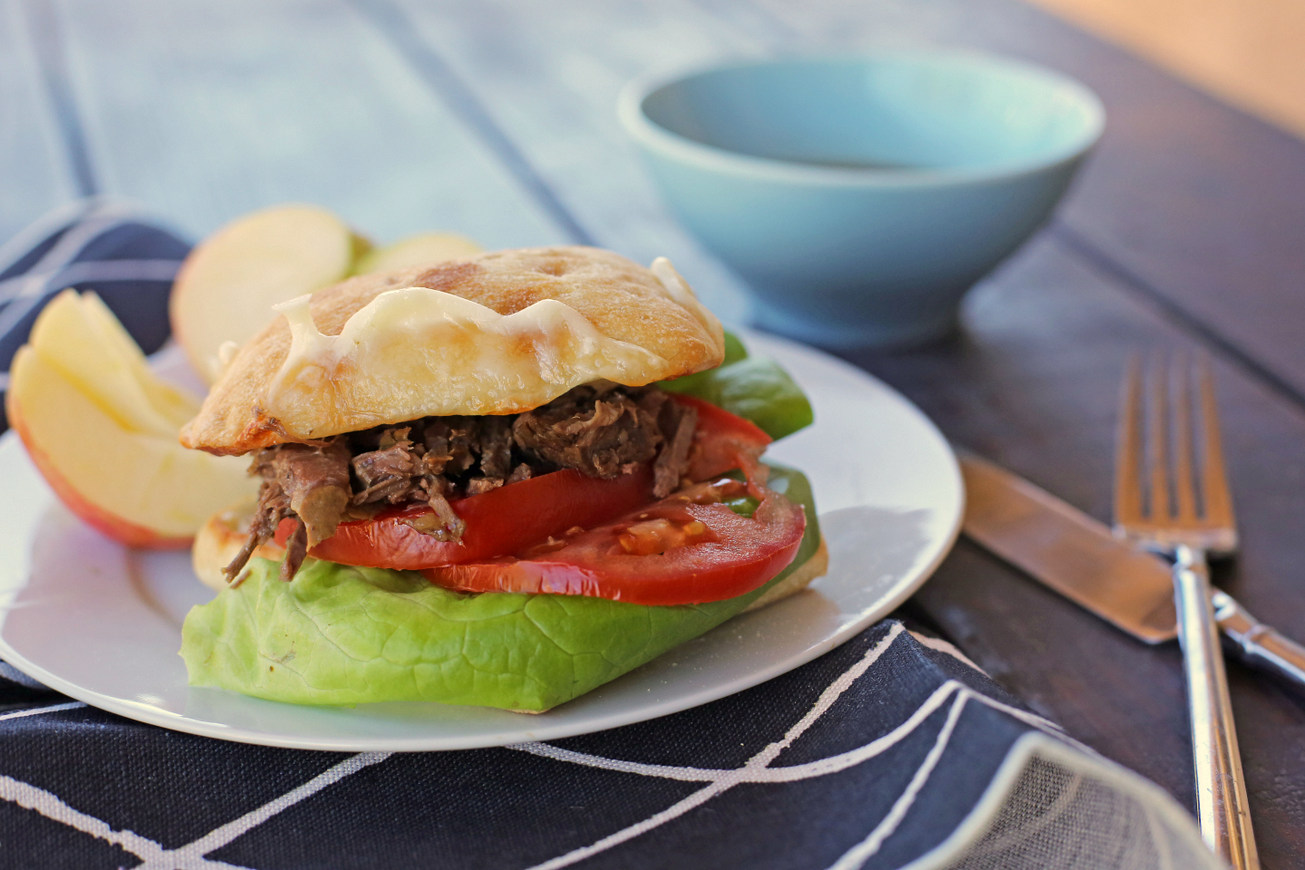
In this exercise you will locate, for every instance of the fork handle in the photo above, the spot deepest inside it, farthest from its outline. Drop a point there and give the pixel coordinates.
(1222, 807)
(1256, 643)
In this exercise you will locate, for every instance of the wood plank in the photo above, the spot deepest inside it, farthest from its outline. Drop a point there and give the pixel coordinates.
(37, 177)
(549, 84)
(1194, 203)
(261, 103)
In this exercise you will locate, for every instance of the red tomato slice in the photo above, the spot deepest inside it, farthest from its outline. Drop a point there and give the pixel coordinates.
(504, 520)
(671, 552)
(723, 441)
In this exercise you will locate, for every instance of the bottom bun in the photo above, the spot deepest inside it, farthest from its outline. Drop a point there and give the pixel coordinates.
(800, 578)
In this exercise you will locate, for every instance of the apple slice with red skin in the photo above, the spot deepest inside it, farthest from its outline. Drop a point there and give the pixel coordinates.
(138, 488)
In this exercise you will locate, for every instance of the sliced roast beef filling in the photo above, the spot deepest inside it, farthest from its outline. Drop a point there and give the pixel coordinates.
(600, 432)
(678, 423)
(310, 484)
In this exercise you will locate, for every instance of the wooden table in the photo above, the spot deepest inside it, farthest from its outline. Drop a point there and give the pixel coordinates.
(496, 120)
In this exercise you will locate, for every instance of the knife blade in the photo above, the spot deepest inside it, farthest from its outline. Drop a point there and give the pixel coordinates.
(1068, 551)
(1077, 556)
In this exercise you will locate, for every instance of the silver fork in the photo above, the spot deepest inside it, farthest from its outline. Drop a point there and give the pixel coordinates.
(1188, 516)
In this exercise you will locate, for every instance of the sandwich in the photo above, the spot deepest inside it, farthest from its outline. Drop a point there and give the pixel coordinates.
(500, 481)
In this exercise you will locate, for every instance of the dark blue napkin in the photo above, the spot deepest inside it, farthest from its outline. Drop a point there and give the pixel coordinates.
(891, 749)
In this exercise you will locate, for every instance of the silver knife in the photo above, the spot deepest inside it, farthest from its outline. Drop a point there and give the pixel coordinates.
(1077, 556)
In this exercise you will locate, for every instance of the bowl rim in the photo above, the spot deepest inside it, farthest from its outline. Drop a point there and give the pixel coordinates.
(643, 130)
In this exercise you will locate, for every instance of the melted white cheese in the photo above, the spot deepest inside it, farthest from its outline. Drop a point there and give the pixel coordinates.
(426, 351)
(679, 290)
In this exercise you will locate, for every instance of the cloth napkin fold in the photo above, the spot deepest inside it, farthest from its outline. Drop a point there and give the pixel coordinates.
(891, 750)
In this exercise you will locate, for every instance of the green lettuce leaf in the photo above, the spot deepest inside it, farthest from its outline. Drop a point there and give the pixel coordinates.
(340, 635)
(757, 389)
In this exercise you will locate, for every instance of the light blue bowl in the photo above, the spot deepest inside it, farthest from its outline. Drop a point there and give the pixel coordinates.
(859, 197)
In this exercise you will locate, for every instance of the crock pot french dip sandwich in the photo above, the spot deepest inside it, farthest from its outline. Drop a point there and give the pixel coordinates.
(500, 481)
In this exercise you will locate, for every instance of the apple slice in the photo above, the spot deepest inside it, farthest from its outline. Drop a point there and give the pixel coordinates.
(226, 288)
(177, 405)
(79, 336)
(416, 251)
(139, 488)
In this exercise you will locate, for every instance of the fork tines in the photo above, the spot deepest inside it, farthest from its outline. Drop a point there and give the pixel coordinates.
(1158, 442)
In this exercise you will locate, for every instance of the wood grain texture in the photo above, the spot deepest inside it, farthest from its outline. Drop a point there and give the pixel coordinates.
(547, 77)
(270, 102)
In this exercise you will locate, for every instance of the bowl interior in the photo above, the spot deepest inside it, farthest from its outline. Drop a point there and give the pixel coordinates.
(921, 111)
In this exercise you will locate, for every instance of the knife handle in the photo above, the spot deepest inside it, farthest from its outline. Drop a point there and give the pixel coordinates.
(1256, 643)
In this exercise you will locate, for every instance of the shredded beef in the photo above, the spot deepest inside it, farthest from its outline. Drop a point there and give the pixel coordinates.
(309, 484)
(391, 475)
(449, 445)
(296, 550)
(601, 432)
(495, 449)
(603, 435)
(273, 506)
(678, 423)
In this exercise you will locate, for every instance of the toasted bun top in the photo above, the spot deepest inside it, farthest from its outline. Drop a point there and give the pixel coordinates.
(499, 333)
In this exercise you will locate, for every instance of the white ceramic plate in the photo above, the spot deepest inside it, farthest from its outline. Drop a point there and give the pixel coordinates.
(102, 623)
